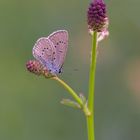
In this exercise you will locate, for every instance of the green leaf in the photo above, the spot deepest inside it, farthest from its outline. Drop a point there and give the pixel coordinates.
(70, 103)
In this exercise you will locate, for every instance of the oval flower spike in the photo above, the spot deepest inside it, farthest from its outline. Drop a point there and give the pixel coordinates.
(34, 66)
(97, 16)
(37, 68)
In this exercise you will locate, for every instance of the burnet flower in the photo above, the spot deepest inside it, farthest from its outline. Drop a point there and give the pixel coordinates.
(34, 66)
(97, 19)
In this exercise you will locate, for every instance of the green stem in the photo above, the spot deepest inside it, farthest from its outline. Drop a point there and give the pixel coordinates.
(90, 119)
(71, 91)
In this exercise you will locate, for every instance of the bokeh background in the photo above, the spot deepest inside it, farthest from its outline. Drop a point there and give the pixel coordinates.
(30, 106)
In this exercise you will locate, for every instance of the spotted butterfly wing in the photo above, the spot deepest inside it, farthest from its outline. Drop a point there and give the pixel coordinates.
(60, 43)
(44, 52)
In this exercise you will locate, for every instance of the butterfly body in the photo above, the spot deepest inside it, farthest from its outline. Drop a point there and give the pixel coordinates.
(51, 50)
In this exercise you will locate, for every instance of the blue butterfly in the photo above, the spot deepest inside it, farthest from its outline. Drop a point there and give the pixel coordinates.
(51, 51)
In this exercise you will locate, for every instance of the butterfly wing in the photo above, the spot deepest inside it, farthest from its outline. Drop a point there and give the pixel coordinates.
(44, 52)
(60, 42)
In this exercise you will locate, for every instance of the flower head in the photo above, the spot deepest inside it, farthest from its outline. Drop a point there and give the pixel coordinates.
(34, 66)
(37, 68)
(97, 16)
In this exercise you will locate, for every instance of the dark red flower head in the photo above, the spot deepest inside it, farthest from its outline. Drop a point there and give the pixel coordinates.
(97, 16)
(34, 66)
(37, 68)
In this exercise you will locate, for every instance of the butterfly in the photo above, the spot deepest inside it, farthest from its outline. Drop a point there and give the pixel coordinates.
(51, 51)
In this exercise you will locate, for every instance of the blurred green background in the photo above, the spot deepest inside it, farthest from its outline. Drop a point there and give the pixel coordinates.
(30, 106)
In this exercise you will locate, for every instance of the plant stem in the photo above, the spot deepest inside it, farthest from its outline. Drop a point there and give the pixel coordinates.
(90, 119)
(71, 91)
